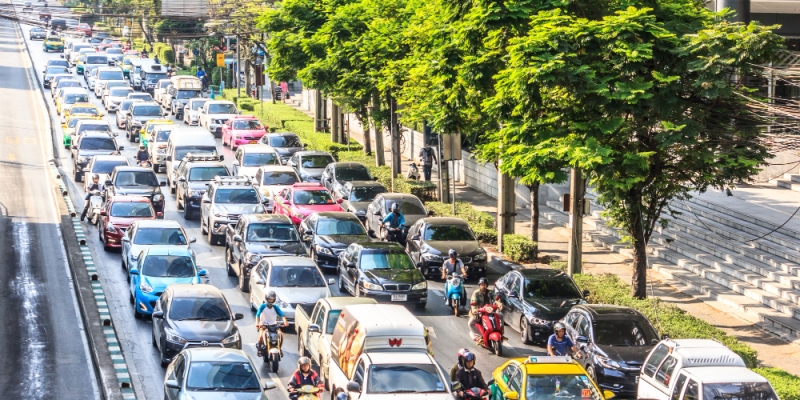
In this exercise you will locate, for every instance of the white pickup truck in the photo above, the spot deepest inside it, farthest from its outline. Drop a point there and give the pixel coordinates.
(314, 331)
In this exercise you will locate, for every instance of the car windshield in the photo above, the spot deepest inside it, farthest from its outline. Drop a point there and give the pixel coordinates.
(58, 63)
(107, 166)
(140, 96)
(222, 109)
(188, 94)
(110, 76)
(738, 391)
(84, 110)
(206, 173)
(136, 178)
(312, 197)
(168, 266)
(258, 159)
(622, 333)
(159, 236)
(119, 92)
(366, 193)
(339, 227)
(382, 259)
(407, 207)
(333, 318)
(317, 161)
(134, 209)
(196, 104)
(113, 84)
(162, 135)
(405, 378)
(279, 178)
(301, 276)
(248, 125)
(56, 70)
(285, 141)
(96, 59)
(201, 308)
(347, 174)
(222, 376)
(155, 77)
(557, 287)
(76, 98)
(181, 152)
(448, 232)
(560, 387)
(98, 143)
(147, 111)
(126, 105)
(102, 127)
(236, 196)
(163, 83)
(70, 83)
(271, 233)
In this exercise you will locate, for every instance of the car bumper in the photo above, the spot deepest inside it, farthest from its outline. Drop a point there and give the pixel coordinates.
(145, 302)
(540, 332)
(113, 240)
(193, 203)
(172, 349)
(51, 48)
(215, 128)
(159, 159)
(218, 226)
(622, 383)
(112, 106)
(412, 297)
(326, 260)
(240, 142)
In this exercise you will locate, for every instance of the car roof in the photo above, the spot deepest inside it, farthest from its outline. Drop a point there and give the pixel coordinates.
(106, 69)
(726, 375)
(607, 311)
(93, 134)
(245, 117)
(408, 357)
(545, 368)
(200, 290)
(265, 218)
(257, 148)
(348, 164)
(541, 272)
(292, 261)
(158, 223)
(381, 245)
(74, 90)
(400, 196)
(281, 168)
(216, 354)
(338, 215)
(134, 169)
(147, 103)
(111, 157)
(364, 183)
(313, 153)
(219, 102)
(444, 221)
(168, 250)
(129, 199)
(93, 122)
(195, 164)
(276, 134)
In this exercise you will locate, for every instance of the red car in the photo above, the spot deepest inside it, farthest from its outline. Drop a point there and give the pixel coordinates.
(242, 129)
(106, 43)
(301, 199)
(85, 28)
(118, 214)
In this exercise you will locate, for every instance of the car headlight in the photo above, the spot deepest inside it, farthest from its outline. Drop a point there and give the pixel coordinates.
(145, 287)
(253, 258)
(161, 151)
(195, 193)
(220, 214)
(607, 362)
(480, 257)
(158, 197)
(323, 250)
(232, 338)
(173, 336)
(420, 286)
(538, 321)
(282, 304)
(371, 286)
(432, 257)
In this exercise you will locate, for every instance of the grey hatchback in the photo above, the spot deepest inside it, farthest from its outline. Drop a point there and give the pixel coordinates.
(196, 372)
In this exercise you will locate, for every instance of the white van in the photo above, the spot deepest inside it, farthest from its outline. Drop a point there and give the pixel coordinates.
(184, 140)
(380, 350)
(699, 369)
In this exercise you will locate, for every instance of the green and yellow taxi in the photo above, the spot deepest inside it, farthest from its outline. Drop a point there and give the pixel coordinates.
(544, 378)
(126, 64)
(144, 133)
(70, 96)
(52, 43)
(68, 128)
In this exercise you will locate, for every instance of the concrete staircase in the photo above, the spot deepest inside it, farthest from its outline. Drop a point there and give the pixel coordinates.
(720, 255)
(789, 181)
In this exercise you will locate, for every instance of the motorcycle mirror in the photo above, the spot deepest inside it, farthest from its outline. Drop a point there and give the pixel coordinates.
(192, 240)
(269, 385)
(331, 281)
(163, 183)
(158, 314)
(238, 316)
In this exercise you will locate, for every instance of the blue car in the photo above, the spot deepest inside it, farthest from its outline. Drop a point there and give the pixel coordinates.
(154, 269)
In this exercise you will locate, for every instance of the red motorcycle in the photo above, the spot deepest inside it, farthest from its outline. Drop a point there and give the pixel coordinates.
(475, 393)
(491, 330)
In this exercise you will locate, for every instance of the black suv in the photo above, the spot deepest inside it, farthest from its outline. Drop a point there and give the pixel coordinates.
(614, 341)
(430, 240)
(136, 181)
(327, 234)
(193, 180)
(382, 271)
(90, 144)
(139, 114)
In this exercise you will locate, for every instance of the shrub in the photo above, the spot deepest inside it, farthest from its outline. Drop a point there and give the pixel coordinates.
(167, 55)
(518, 248)
(786, 385)
(216, 76)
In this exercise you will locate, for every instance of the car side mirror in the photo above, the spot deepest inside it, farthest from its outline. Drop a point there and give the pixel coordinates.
(163, 183)
(159, 214)
(305, 145)
(172, 384)
(238, 316)
(585, 293)
(415, 237)
(126, 239)
(269, 385)
(206, 200)
(121, 148)
(182, 179)
(290, 163)
(582, 339)
(511, 396)
(331, 281)
(64, 126)
(74, 147)
(654, 341)
(133, 271)
(235, 163)
(87, 170)
(307, 238)
(202, 272)
(158, 314)
(103, 213)
(169, 158)
(221, 157)
(193, 240)
(607, 394)
(431, 213)
(513, 295)
(339, 200)
(237, 238)
(260, 282)
(351, 265)
(107, 182)
(353, 386)
(664, 337)
(61, 55)
(375, 178)
(313, 328)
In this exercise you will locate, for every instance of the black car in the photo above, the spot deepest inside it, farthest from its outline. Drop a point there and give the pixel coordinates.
(310, 164)
(615, 341)
(188, 316)
(410, 206)
(136, 181)
(535, 299)
(430, 240)
(286, 143)
(357, 195)
(37, 33)
(256, 236)
(138, 115)
(89, 144)
(382, 271)
(337, 174)
(327, 234)
(58, 24)
(193, 180)
(50, 72)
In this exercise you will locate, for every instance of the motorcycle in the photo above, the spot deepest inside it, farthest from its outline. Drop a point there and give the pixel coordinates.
(490, 329)
(146, 164)
(475, 393)
(272, 350)
(455, 292)
(306, 392)
(95, 206)
(395, 234)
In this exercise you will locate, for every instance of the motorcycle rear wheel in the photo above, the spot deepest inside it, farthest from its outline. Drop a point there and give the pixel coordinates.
(497, 347)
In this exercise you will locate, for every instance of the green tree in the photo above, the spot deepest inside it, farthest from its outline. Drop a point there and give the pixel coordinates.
(644, 96)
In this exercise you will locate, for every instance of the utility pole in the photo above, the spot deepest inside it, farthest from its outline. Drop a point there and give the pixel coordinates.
(576, 209)
(334, 122)
(394, 130)
(444, 176)
(380, 158)
(238, 63)
(741, 7)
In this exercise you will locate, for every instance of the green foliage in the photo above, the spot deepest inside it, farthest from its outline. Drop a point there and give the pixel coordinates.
(216, 76)
(167, 55)
(786, 385)
(518, 248)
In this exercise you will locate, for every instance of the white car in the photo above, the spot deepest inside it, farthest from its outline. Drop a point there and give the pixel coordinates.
(250, 157)
(74, 56)
(115, 96)
(216, 113)
(160, 90)
(272, 179)
(101, 90)
(295, 280)
(104, 166)
(104, 74)
(155, 232)
(191, 112)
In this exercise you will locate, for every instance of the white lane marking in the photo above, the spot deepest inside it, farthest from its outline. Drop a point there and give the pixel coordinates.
(25, 287)
(278, 382)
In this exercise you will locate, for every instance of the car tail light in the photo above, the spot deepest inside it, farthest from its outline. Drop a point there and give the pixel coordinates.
(111, 228)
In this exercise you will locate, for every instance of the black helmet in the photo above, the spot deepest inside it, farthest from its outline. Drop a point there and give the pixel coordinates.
(271, 297)
(483, 281)
(141, 147)
(452, 253)
(396, 208)
(469, 356)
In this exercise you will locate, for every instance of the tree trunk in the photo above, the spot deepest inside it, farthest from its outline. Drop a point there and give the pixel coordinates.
(534, 190)
(380, 158)
(639, 277)
(367, 130)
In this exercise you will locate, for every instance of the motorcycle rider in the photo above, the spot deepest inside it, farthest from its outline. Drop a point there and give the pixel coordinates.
(142, 155)
(394, 220)
(469, 376)
(453, 264)
(481, 297)
(267, 314)
(559, 343)
(304, 375)
(459, 363)
(94, 186)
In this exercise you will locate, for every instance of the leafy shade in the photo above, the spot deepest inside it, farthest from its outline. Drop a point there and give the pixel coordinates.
(645, 100)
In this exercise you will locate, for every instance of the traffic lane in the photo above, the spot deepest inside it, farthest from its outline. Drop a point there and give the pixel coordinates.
(45, 348)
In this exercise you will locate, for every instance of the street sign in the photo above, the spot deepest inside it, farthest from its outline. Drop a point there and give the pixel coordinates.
(451, 147)
(220, 60)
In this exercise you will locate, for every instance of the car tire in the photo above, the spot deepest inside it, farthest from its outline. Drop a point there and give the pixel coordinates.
(171, 188)
(340, 283)
(122, 263)
(252, 305)
(524, 331)
(212, 238)
(187, 213)
(156, 168)
(356, 290)
(592, 374)
(178, 202)
(421, 306)
(228, 266)
(164, 363)
(130, 298)
(77, 174)
(153, 338)
(136, 314)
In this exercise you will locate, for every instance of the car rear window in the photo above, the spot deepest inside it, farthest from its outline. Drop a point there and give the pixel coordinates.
(131, 209)
(147, 111)
(120, 91)
(107, 166)
(76, 98)
(258, 159)
(96, 59)
(111, 76)
(84, 110)
(98, 143)
(206, 173)
(159, 236)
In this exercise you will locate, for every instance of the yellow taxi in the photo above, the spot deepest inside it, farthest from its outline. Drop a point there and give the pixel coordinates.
(79, 107)
(144, 133)
(126, 64)
(53, 43)
(68, 128)
(544, 378)
(70, 96)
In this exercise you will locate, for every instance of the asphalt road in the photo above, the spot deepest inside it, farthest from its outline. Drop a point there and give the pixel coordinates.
(450, 333)
(43, 346)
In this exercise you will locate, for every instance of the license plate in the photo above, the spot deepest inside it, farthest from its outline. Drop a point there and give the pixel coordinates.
(254, 142)
(399, 297)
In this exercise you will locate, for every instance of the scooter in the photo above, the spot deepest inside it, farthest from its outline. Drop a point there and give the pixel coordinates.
(455, 292)
(95, 206)
(490, 330)
(306, 392)
(272, 352)
(395, 234)
(475, 393)
(146, 164)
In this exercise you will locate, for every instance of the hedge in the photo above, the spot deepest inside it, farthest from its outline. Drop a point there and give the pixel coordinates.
(676, 323)
(216, 76)
(518, 248)
(167, 56)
